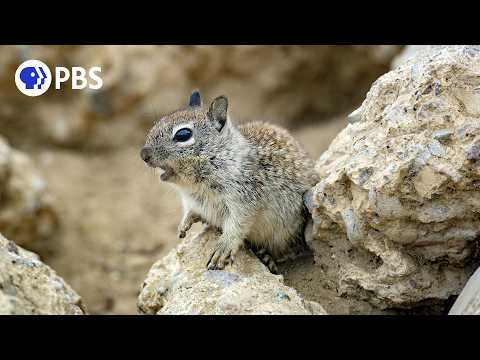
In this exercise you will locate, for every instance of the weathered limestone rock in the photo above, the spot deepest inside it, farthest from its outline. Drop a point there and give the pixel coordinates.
(282, 84)
(28, 286)
(402, 181)
(27, 214)
(180, 284)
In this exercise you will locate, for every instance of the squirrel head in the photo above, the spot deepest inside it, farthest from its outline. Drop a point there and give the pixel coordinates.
(182, 144)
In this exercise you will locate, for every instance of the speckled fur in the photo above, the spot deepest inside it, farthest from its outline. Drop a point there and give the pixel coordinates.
(246, 180)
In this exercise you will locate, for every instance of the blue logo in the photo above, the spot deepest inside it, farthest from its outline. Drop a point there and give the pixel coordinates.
(33, 78)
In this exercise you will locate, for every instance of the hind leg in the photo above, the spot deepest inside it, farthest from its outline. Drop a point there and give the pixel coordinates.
(266, 259)
(297, 251)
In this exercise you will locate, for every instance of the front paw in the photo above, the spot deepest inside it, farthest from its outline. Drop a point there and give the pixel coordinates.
(183, 229)
(187, 223)
(222, 255)
(182, 232)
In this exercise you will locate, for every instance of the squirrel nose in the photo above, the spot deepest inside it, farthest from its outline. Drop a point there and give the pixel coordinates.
(146, 153)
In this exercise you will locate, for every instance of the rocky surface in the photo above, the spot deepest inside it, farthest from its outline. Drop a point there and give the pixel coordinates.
(27, 213)
(398, 201)
(409, 52)
(28, 286)
(180, 284)
(282, 84)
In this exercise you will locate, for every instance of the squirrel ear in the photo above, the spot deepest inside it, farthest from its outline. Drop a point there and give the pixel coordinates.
(195, 99)
(218, 112)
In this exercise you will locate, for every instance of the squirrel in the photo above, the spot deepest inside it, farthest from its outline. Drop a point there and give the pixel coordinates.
(247, 181)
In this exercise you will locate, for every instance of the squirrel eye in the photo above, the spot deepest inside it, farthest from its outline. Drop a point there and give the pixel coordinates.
(182, 135)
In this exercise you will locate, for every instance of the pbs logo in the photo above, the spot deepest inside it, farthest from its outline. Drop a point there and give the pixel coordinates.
(33, 77)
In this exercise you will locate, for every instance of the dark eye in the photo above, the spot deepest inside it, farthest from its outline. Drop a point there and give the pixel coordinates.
(182, 135)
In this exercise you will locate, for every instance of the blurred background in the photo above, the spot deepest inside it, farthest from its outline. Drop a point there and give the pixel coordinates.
(72, 185)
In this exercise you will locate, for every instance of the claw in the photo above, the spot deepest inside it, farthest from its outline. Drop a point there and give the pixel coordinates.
(210, 263)
(266, 259)
(220, 257)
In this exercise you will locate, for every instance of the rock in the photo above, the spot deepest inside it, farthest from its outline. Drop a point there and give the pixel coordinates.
(28, 286)
(180, 284)
(443, 135)
(468, 302)
(27, 213)
(402, 182)
(409, 52)
(281, 84)
(355, 116)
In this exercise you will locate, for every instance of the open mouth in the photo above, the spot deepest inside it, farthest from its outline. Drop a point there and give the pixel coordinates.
(166, 172)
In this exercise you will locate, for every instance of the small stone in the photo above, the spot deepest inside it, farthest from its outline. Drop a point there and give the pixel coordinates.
(283, 296)
(352, 226)
(436, 149)
(428, 181)
(473, 153)
(365, 174)
(443, 135)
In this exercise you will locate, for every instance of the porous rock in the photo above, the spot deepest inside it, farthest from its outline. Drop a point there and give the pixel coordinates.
(402, 181)
(29, 287)
(180, 284)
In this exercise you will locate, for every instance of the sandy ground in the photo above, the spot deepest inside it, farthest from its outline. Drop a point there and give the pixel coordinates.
(118, 219)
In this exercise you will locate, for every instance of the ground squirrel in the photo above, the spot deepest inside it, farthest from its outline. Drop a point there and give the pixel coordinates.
(247, 181)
